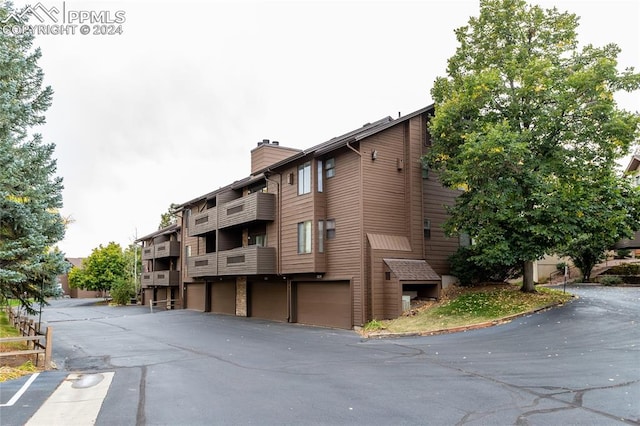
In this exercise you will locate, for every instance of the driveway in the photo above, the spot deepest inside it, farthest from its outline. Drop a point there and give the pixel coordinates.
(578, 364)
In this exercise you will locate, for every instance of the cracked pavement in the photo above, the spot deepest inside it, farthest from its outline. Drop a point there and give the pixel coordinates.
(577, 364)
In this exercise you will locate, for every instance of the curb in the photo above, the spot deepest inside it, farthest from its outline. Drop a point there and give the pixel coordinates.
(462, 328)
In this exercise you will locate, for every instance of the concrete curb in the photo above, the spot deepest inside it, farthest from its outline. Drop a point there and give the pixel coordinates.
(504, 320)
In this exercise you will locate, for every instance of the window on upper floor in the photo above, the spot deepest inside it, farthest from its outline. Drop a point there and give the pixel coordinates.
(304, 237)
(427, 229)
(304, 178)
(331, 229)
(321, 236)
(330, 167)
(319, 176)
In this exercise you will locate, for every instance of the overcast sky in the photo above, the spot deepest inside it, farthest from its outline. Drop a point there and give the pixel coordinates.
(171, 108)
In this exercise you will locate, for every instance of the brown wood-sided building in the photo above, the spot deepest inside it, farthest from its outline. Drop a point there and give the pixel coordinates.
(333, 235)
(160, 276)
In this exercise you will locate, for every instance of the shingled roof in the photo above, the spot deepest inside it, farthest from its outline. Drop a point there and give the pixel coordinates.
(412, 270)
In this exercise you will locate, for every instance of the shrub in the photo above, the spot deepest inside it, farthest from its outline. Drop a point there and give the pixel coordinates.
(610, 280)
(625, 269)
(469, 272)
(122, 292)
(622, 253)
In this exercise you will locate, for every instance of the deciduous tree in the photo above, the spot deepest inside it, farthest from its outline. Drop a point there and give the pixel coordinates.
(104, 268)
(522, 119)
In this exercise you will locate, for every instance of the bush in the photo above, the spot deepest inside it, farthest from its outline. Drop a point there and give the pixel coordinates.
(610, 280)
(625, 269)
(622, 253)
(470, 272)
(122, 292)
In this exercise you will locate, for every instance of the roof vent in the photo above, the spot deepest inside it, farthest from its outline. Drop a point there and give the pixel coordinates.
(265, 141)
(276, 143)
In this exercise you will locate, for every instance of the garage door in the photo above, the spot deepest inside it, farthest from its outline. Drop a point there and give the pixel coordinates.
(223, 297)
(195, 297)
(324, 303)
(268, 301)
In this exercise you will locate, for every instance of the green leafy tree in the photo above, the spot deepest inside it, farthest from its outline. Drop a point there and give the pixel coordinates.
(133, 267)
(169, 217)
(522, 120)
(104, 268)
(30, 193)
(610, 211)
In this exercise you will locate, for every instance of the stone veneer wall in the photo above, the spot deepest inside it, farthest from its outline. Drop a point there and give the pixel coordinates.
(241, 296)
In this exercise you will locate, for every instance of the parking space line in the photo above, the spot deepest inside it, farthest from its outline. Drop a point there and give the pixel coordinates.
(22, 390)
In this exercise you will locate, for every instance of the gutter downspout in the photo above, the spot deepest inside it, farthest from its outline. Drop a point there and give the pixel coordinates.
(362, 254)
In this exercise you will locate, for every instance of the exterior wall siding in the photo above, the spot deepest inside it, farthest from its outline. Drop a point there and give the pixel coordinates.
(343, 204)
(439, 247)
(295, 208)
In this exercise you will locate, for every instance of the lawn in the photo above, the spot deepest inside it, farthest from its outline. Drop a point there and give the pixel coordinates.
(467, 307)
(13, 367)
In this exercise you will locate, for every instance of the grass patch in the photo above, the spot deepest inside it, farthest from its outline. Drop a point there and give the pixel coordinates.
(471, 306)
(11, 373)
(9, 368)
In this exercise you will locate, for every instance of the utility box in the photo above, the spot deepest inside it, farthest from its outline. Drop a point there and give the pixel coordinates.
(406, 303)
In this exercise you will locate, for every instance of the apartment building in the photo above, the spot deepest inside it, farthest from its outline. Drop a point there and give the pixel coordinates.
(333, 235)
(160, 276)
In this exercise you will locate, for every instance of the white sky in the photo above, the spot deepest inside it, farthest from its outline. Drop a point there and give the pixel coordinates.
(170, 109)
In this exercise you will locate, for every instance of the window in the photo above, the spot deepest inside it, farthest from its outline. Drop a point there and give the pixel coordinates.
(331, 229)
(427, 229)
(320, 171)
(321, 236)
(260, 240)
(187, 251)
(187, 217)
(330, 167)
(304, 237)
(304, 178)
(464, 239)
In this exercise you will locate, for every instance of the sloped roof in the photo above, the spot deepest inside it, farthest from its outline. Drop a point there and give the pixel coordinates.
(412, 270)
(389, 242)
(366, 130)
(332, 144)
(164, 231)
(75, 261)
(634, 164)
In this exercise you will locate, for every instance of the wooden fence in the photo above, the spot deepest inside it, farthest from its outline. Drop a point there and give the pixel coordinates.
(164, 305)
(30, 333)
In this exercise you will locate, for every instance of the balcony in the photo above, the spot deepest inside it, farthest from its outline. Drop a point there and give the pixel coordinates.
(160, 278)
(254, 207)
(252, 260)
(148, 252)
(202, 266)
(167, 249)
(204, 222)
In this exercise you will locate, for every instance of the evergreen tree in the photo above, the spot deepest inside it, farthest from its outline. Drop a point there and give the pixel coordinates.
(30, 193)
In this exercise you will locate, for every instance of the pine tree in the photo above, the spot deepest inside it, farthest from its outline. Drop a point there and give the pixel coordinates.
(30, 193)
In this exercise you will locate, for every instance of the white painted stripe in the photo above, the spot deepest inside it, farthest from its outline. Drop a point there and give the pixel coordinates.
(72, 406)
(22, 390)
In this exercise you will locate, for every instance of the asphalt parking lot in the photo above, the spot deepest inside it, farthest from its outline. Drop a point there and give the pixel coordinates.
(578, 364)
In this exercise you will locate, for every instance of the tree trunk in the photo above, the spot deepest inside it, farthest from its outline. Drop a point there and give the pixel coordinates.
(527, 278)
